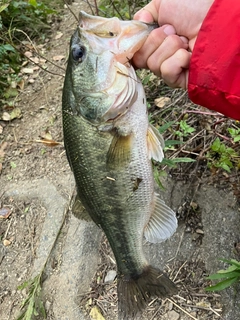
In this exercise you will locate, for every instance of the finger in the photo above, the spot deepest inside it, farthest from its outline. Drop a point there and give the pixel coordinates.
(149, 13)
(143, 15)
(168, 48)
(174, 70)
(154, 40)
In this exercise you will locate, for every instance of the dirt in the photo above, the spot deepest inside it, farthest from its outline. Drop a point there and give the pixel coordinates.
(36, 190)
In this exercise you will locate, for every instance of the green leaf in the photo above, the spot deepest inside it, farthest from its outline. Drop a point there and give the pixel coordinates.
(4, 6)
(165, 126)
(13, 165)
(169, 143)
(226, 275)
(32, 3)
(222, 285)
(177, 160)
(236, 139)
(231, 261)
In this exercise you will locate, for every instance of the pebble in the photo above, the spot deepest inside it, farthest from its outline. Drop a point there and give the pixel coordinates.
(172, 315)
(111, 275)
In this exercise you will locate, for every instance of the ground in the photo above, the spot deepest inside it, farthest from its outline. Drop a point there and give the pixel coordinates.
(40, 235)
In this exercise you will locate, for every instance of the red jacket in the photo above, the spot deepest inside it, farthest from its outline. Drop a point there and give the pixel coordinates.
(214, 74)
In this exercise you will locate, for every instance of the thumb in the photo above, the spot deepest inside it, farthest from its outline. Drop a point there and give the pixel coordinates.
(144, 16)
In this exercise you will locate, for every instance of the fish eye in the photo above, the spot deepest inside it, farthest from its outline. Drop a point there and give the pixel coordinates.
(78, 52)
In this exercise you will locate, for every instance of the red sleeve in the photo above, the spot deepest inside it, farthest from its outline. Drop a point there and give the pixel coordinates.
(214, 73)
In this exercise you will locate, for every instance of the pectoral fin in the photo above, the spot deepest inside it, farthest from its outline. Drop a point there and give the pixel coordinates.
(119, 152)
(155, 144)
(162, 224)
(79, 211)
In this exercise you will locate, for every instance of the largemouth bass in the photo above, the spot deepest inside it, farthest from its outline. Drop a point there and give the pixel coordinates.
(109, 144)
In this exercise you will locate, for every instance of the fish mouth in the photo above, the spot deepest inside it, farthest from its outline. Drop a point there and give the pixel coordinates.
(122, 37)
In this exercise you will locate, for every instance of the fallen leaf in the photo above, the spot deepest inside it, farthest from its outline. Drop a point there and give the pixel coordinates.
(96, 314)
(35, 60)
(46, 135)
(28, 54)
(6, 242)
(27, 70)
(16, 113)
(3, 146)
(25, 63)
(160, 102)
(59, 35)
(20, 84)
(6, 116)
(58, 58)
(49, 143)
(5, 213)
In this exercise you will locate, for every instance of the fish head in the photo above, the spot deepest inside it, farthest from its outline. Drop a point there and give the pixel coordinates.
(103, 81)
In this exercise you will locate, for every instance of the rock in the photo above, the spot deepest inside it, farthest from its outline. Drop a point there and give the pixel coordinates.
(111, 275)
(172, 315)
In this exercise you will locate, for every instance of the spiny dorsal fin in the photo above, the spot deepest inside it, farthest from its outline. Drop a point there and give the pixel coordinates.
(155, 144)
(119, 152)
(162, 224)
(79, 211)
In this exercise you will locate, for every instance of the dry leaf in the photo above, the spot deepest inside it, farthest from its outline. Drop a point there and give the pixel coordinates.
(5, 213)
(6, 116)
(3, 146)
(27, 70)
(58, 58)
(95, 314)
(16, 113)
(20, 84)
(35, 60)
(25, 63)
(6, 242)
(160, 102)
(28, 54)
(59, 35)
(49, 143)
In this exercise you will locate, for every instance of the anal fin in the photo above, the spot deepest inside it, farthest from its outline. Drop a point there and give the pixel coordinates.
(79, 211)
(162, 224)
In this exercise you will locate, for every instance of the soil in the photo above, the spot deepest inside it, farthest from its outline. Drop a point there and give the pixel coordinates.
(36, 188)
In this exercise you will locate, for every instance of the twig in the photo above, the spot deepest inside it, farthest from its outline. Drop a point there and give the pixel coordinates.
(176, 305)
(203, 308)
(71, 10)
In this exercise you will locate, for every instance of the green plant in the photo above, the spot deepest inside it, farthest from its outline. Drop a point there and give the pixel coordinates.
(184, 129)
(235, 134)
(32, 305)
(221, 156)
(18, 19)
(122, 9)
(171, 163)
(29, 16)
(230, 276)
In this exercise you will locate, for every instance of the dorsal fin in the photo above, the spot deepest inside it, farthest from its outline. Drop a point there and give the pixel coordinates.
(162, 224)
(155, 144)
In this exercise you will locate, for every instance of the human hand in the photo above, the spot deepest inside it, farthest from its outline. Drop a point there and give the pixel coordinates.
(165, 51)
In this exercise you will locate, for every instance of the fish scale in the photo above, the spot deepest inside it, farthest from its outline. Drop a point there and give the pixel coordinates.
(109, 144)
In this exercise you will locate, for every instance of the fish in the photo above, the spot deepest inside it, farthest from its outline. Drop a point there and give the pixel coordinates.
(109, 144)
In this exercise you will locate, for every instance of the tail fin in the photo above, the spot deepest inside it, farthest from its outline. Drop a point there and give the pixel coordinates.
(135, 292)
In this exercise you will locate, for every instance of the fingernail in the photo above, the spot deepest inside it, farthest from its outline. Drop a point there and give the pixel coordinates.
(168, 29)
(184, 39)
